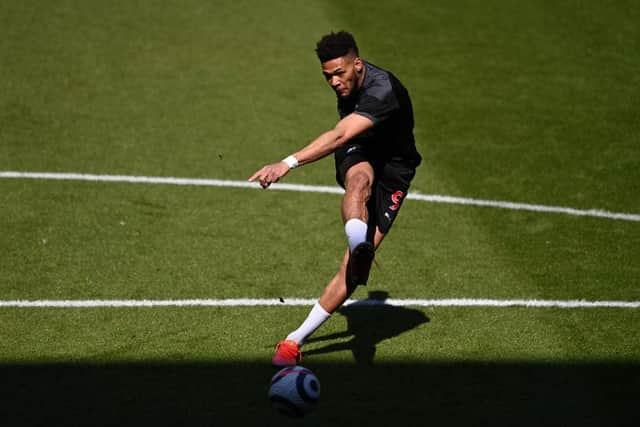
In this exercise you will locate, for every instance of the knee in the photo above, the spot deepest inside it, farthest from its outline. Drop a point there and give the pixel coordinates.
(359, 183)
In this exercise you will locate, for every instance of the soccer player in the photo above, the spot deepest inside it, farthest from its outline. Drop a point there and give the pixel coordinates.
(375, 159)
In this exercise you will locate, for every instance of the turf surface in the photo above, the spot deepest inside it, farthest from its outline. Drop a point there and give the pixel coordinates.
(528, 102)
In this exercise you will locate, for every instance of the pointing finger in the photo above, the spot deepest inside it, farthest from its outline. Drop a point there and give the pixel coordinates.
(255, 175)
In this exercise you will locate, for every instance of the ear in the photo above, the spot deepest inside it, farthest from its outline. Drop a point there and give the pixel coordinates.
(358, 64)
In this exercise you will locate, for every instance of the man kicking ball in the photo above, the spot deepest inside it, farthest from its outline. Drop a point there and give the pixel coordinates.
(375, 157)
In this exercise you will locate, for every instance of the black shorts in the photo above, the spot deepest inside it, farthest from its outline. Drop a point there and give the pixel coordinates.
(392, 178)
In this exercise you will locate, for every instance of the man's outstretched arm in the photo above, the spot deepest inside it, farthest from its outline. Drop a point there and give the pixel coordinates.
(352, 125)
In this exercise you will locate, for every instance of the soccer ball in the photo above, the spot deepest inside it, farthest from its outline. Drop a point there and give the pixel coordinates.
(294, 391)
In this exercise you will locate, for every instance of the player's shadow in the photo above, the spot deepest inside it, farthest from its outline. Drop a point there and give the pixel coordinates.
(369, 322)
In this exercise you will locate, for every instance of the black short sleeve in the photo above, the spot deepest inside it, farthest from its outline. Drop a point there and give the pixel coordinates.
(377, 102)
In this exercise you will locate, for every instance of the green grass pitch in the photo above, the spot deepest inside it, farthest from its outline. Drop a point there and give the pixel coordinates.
(530, 101)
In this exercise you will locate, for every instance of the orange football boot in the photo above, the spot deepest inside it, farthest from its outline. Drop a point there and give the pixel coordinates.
(287, 354)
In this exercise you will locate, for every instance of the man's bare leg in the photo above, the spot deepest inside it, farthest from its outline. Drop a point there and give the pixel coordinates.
(358, 182)
(337, 291)
(334, 295)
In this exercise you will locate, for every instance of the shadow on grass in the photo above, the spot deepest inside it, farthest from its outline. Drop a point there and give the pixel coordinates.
(369, 322)
(219, 394)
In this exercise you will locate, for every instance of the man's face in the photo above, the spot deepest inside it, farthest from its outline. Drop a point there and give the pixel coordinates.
(343, 74)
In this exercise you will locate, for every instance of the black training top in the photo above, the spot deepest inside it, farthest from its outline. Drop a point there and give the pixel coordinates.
(384, 100)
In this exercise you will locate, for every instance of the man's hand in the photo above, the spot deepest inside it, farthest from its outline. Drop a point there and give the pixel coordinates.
(270, 174)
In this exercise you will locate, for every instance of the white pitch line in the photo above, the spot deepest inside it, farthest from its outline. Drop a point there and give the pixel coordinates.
(246, 302)
(317, 189)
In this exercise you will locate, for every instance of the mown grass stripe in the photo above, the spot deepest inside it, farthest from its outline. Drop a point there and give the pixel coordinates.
(248, 302)
(316, 189)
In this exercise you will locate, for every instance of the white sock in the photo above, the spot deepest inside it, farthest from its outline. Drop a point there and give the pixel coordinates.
(314, 320)
(356, 231)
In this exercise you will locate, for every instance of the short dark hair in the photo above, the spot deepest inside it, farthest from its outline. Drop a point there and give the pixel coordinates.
(336, 45)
